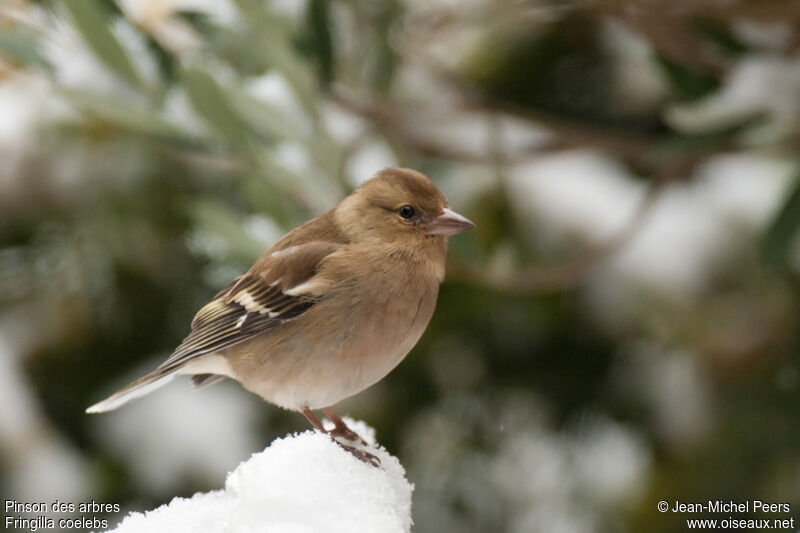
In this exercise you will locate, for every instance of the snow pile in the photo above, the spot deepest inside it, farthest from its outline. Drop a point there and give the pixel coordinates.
(301, 483)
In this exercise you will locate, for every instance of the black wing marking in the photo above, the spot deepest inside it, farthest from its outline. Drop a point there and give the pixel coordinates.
(229, 319)
(280, 287)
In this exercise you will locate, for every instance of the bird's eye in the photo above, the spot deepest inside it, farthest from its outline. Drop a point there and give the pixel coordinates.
(407, 211)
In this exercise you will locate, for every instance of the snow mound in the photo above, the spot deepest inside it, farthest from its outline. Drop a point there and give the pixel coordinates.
(301, 483)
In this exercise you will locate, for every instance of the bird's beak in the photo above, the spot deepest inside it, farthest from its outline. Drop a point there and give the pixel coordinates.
(448, 223)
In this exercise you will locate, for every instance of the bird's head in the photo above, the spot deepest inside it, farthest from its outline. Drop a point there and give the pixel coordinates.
(399, 204)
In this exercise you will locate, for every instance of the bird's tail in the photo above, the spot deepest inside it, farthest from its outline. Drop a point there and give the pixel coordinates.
(144, 385)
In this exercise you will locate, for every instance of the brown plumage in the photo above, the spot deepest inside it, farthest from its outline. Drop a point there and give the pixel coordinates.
(328, 310)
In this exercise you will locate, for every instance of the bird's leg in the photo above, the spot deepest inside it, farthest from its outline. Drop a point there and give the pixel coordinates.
(340, 429)
(359, 454)
(311, 417)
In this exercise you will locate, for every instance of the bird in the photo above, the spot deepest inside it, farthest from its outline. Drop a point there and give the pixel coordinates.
(327, 311)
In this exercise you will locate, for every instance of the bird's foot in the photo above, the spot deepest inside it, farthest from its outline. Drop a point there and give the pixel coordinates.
(341, 431)
(359, 454)
(344, 432)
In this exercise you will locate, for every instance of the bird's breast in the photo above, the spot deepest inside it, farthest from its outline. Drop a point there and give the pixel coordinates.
(346, 342)
(390, 337)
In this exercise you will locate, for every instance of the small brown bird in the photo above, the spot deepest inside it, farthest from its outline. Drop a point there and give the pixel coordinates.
(330, 309)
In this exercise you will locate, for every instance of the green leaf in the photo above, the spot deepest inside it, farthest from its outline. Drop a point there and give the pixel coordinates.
(688, 82)
(319, 22)
(683, 145)
(293, 186)
(272, 44)
(780, 235)
(264, 197)
(219, 220)
(125, 116)
(21, 47)
(382, 59)
(208, 99)
(263, 117)
(93, 24)
(719, 33)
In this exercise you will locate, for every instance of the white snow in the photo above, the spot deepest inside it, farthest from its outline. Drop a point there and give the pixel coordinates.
(275, 89)
(76, 66)
(178, 110)
(301, 483)
(745, 189)
(579, 192)
(298, 172)
(342, 125)
(264, 229)
(367, 160)
(744, 94)
(637, 80)
(674, 386)
(676, 248)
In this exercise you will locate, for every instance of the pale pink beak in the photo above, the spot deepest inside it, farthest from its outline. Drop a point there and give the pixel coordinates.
(448, 223)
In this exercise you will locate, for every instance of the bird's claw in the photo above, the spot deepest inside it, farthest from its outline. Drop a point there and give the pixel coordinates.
(361, 455)
(346, 433)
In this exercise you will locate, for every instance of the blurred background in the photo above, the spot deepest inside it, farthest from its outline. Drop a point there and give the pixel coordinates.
(619, 329)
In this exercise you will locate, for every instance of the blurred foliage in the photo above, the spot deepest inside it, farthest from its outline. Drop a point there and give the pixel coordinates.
(171, 145)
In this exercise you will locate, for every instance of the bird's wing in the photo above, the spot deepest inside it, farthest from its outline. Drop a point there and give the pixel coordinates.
(278, 288)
